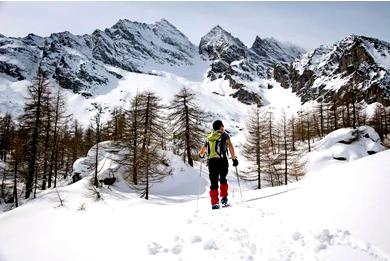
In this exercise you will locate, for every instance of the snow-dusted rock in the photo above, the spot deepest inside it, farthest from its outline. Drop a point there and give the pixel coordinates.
(356, 65)
(233, 61)
(80, 63)
(345, 144)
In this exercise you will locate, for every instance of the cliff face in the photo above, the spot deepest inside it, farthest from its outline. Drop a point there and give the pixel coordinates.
(355, 68)
(82, 62)
(233, 61)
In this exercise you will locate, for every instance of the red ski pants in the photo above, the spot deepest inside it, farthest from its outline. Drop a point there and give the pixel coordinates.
(218, 170)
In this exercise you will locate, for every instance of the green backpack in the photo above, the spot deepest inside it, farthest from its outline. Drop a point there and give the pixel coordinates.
(216, 147)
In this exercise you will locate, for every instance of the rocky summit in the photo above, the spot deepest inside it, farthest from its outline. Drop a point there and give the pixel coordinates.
(81, 62)
(354, 69)
(233, 61)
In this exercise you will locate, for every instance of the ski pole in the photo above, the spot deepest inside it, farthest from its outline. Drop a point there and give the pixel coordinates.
(239, 186)
(200, 175)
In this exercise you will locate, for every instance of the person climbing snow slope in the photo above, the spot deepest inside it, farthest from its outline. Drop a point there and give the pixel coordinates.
(218, 145)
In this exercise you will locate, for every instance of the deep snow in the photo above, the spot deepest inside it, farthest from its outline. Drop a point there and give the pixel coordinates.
(338, 213)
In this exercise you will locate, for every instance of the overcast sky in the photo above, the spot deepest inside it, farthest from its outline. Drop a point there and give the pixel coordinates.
(307, 24)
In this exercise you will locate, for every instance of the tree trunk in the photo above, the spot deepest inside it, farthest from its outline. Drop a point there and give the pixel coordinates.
(258, 134)
(15, 184)
(3, 179)
(285, 151)
(146, 126)
(188, 142)
(55, 138)
(46, 152)
(270, 135)
(35, 182)
(135, 143)
(147, 171)
(96, 164)
(348, 116)
(293, 133)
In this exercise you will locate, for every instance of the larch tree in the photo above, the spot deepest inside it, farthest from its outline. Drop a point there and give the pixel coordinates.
(32, 120)
(97, 125)
(186, 118)
(58, 120)
(143, 140)
(132, 137)
(17, 156)
(252, 148)
(7, 129)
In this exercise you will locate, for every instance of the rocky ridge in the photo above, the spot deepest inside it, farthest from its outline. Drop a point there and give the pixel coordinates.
(80, 62)
(242, 66)
(354, 69)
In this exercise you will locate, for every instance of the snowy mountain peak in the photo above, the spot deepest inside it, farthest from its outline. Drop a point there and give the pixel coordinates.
(165, 22)
(217, 40)
(34, 39)
(275, 51)
(243, 66)
(258, 42)
(332, 72)
(80, 63)
(218, 30)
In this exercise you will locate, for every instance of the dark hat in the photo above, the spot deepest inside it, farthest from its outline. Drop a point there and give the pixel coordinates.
(217, 125)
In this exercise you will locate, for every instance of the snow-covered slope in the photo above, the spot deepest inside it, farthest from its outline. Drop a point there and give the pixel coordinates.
(338, 213)
(247, 69)
(80, 63)
(356, 64)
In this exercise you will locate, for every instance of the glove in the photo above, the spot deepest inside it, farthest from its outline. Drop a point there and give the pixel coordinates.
(235, 162)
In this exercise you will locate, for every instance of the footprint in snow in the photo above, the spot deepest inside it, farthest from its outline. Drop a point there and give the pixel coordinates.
(176, 249)
(210, 245)
(154, 248)
(298, 237)
(196, 239)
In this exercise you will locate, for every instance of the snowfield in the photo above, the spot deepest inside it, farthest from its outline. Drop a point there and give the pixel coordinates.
(337, 213)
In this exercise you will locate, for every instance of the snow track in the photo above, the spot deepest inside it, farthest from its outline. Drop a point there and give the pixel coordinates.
(306, 220)
(247, 232)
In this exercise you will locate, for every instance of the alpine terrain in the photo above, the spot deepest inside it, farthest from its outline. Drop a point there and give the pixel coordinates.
(100, 136)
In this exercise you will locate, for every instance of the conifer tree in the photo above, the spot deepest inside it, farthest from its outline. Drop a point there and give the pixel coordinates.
(151, 111)
(252, 148)
(6, 135)
(143, 139)
(133, 137)
(32, 120)
(284, 144)
(6, 130)
(97, 125)
(17, 161)
(58, 119)
(186, 118)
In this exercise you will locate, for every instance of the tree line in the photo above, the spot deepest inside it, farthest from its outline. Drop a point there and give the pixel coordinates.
(39, 148)
(275, 147)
